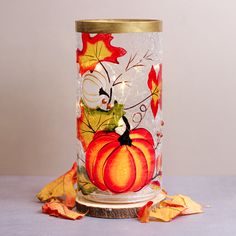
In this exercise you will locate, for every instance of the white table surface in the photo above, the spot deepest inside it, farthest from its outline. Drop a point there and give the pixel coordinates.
(21, 212)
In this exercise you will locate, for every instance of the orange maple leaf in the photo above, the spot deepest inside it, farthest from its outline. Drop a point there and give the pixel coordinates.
(155, 86)
(144, 212)
(62, 186)
(59, 209)
(97, 49)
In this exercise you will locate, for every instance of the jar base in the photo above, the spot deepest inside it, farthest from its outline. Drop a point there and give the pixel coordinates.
(145, 194)
(111, 210)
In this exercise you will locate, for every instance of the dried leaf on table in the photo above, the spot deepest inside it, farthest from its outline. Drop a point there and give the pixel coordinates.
(166, 213)
(192, 207)
(62, 186)
(143, 213)
(169, 209)
(59, 209)
(164, 192)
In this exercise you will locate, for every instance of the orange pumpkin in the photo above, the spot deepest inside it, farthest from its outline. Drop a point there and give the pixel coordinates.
(121, 163)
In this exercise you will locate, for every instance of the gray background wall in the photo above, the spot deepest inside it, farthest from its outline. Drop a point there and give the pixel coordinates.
(37, 82)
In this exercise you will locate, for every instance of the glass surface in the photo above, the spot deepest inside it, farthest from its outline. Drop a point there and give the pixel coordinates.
(119, 116)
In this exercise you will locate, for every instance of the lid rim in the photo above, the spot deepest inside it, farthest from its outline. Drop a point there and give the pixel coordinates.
(118, 25)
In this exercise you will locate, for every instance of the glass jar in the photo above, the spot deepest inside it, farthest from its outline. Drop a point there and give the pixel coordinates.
(119, 109)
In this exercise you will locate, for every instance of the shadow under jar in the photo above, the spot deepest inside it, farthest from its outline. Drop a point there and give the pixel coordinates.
(119, 109)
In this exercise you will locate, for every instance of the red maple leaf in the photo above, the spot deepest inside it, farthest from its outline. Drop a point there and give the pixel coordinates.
(155, 86)
(97, 49)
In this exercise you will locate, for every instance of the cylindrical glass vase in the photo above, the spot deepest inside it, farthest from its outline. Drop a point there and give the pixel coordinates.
(119, 109)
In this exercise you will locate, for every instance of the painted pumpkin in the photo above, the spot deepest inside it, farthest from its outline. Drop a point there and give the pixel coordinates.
(121, 163)
(95, 90)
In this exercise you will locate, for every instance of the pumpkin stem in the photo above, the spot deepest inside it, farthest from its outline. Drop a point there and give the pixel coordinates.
(124, 139)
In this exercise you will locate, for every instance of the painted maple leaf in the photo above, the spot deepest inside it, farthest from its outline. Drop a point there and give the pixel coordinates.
(92, 121)
(155, 86)
(97, 49)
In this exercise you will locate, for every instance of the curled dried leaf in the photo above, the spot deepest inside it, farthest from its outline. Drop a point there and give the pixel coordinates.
(166, 213)
(59, 209)
(169, 209)
(62, 186)
(192, 207)
(144, 212)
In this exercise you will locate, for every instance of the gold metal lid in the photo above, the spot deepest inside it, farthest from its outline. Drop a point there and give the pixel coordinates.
(118, 25)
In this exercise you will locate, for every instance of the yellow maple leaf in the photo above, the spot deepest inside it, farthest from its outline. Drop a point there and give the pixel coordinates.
(192, 207)
(169, 209)
(62, 186)
(166, 213)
